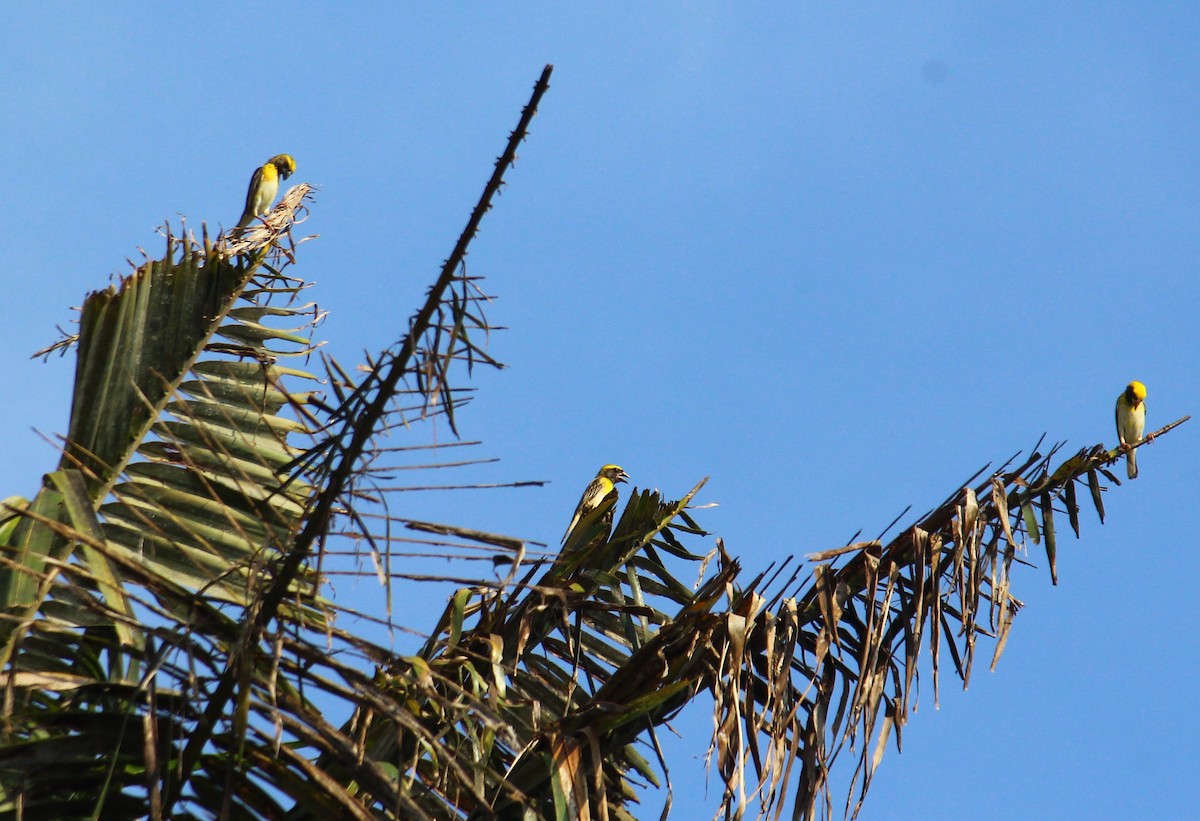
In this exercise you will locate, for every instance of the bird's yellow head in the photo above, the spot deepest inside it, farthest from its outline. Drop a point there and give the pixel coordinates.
(284, 164)
(1135, 393)
(613, 472)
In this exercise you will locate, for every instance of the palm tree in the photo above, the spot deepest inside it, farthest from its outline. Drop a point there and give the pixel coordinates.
(170, 649)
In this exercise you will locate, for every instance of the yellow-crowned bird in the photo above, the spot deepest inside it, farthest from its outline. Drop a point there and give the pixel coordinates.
(264, 185)
(595, 493)
(1131, 422)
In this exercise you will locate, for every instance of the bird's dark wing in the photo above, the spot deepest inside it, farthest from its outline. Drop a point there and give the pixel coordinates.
(255, 184)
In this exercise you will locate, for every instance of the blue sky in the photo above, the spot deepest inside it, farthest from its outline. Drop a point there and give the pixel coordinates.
(835, 257)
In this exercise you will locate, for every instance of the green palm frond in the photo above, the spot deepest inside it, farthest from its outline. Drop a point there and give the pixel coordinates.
(173, 500)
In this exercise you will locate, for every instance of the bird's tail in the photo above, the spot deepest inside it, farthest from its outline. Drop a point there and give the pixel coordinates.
(1131, 464)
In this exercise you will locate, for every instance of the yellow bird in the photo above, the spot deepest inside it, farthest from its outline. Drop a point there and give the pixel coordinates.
(595, 493)
(1131, 422)
(264, 185)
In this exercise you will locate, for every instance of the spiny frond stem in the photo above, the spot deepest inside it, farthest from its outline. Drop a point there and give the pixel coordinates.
(359, 432)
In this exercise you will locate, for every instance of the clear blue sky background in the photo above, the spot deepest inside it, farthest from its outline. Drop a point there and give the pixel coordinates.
(835, 256)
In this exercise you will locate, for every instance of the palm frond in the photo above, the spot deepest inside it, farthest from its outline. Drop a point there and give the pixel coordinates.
(171, 503)
(578, 668)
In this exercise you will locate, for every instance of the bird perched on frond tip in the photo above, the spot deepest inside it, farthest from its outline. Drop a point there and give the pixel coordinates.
(1131, 422)
(264, 185)
(595, 493)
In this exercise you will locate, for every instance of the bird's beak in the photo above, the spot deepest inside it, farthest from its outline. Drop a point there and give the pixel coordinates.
(622, 476)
